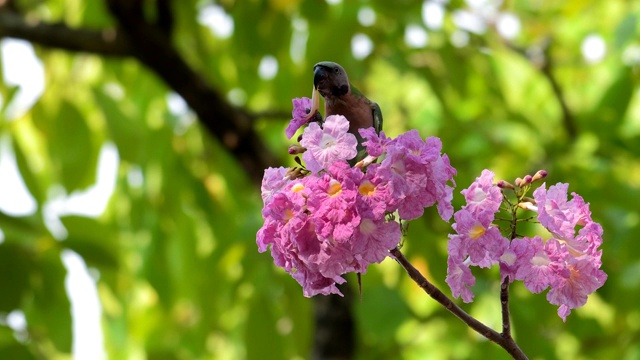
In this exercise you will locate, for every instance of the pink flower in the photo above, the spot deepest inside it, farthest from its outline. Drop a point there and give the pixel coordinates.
(373, 240)
(439, 174)
(375, 144)
(418, 175)
(574, 260)
(583, 278)
(421, 151)
(333, 221)
(540, 265)
(328, 144)
(272, 182)
(478, 238)
(374, 194)
(299, 114)
(557, 214)
(460, 279)
(477, 241)
(331, 204)
(482, 195)
(290, 234)
(512, 258)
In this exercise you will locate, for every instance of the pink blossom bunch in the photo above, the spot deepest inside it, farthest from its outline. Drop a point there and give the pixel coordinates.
(568, 262)
(336, 219)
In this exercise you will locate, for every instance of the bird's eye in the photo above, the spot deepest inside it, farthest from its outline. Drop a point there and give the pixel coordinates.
(336, 70)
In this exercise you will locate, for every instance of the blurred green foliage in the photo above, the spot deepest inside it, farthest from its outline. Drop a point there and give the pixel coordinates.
(179, 273)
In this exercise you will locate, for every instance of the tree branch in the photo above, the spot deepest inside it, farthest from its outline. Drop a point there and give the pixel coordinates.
(506, 342)
(540, 58)
(108, 42)
(504, 304)
(231, 126)
(150, 44)
(567, 117)
(269, 114)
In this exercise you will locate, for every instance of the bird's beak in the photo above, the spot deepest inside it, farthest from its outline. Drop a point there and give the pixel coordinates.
(315, 104)
(319, 74)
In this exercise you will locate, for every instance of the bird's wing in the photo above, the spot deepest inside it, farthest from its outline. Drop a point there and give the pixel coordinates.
(377, 117)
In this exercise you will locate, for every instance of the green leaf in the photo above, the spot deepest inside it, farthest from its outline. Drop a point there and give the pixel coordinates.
(611, 108)
(10, 348)
(24, 229)
(626, 30)
(7, 98)
(91, 239)
(261, 337)
(376, 325)
(71, 148)
(49, 311)
(31, 181)
(15, 270)
(129, 134)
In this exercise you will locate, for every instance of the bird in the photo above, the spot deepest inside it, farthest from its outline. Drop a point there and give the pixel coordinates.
(330, 80)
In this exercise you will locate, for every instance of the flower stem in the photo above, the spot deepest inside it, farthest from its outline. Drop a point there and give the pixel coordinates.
(504, 303)
(503, 340)
(504, 287)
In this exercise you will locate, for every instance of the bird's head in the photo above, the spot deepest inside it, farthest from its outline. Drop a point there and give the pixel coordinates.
(330, 79)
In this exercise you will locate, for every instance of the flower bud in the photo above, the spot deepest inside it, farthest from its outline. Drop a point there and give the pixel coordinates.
(526, 181)
(528, 199)
(294, 173)
(528, 206)
(296, 149)
(519, 182)
(541, 174)
(365, 162)
(505, 185)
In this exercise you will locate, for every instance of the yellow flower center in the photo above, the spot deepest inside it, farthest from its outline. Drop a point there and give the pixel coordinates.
(477, 231)
(366, 188)
(288, 215)
(297, 187)
(334, 188)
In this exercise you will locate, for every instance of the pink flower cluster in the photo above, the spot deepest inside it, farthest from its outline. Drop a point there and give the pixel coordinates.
(334, 220)
(568, 263)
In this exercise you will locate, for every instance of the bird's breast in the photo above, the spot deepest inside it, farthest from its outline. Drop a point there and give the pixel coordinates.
(356, 111)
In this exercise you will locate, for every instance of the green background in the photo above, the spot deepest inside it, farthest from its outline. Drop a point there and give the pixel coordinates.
(179, 272)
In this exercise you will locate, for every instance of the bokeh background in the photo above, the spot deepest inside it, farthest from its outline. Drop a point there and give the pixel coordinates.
(129, 191)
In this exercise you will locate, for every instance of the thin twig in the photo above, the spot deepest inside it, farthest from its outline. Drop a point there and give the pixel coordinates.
(504, 304)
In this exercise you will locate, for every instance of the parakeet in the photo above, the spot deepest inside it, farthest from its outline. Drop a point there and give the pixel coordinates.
(341, 98)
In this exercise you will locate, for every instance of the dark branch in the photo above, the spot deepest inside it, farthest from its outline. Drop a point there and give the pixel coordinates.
(506, 343)
(334, 336)
(270, 114)
(567, 117)
(504, 304)
(231, 126)
(164, 20)
(150, 44)
(108, 42)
